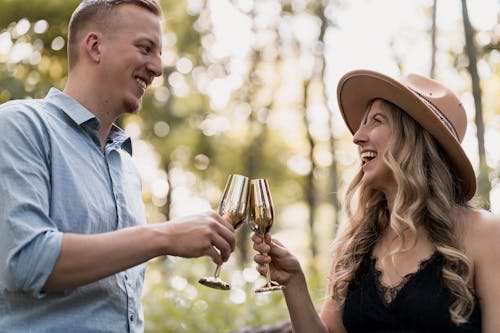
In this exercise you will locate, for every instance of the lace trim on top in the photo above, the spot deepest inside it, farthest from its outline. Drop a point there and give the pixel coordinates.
(389, 293)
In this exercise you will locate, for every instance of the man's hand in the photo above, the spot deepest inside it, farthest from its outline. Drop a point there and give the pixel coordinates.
(206, 234)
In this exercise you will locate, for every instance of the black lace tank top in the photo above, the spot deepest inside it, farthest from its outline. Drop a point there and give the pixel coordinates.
(419, 304)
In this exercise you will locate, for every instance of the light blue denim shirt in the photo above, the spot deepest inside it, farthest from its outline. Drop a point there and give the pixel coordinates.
(55, 178)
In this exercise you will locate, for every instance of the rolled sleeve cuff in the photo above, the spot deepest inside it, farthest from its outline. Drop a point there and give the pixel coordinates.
(36, 262)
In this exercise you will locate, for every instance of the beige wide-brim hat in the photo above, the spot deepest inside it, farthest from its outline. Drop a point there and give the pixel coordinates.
(432, 105)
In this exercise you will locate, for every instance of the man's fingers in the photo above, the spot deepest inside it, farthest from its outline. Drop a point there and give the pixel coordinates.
(223, 246)
(225, 221)
(214, 255)
(226, 231)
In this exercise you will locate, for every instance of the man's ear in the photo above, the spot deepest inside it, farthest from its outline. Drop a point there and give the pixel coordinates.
(92, 46)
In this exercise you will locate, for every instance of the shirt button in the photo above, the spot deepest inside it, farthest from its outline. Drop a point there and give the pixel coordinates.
(126, 277)
(131, 317)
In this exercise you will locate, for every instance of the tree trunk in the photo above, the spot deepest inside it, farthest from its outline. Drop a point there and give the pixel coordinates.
(310, 187)
(433, 39)
(321, 73)
(484, 185)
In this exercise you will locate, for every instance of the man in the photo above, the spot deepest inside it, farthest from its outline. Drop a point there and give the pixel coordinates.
(73, 237)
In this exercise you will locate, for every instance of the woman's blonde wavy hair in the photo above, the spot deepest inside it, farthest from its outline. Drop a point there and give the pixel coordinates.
(427, 194)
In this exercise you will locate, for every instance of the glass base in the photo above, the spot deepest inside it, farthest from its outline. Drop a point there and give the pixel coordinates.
(271, 286)
(215, 283)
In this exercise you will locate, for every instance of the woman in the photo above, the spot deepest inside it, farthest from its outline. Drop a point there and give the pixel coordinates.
(413, 255)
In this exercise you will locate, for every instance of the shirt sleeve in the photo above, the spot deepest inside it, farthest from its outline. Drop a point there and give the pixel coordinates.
(30, 242)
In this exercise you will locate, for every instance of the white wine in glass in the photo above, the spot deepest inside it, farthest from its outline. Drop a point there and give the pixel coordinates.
(261, 211)
(233, 207)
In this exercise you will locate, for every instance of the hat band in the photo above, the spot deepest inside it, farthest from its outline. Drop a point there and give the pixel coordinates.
(438, 113)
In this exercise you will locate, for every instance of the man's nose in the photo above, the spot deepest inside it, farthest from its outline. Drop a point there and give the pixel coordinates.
(154, 66)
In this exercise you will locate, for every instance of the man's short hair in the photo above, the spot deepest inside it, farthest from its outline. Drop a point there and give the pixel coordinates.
(98, 12)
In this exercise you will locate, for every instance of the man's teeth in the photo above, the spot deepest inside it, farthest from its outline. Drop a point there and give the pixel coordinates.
(368, 155)
(141, 82)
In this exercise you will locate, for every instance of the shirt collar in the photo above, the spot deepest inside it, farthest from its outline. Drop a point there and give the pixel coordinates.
(82, 116)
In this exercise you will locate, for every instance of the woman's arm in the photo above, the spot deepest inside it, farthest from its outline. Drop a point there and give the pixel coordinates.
(286, 269)
(483, 242)
(331, 315)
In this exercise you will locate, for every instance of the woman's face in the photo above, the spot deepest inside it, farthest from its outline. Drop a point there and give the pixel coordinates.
(372, 138)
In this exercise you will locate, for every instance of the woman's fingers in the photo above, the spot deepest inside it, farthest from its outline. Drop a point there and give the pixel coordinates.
(260, 246)
(262, 269)
(255, 238)
(262, 259)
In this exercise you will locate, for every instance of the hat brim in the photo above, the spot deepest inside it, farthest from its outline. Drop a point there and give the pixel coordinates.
(357, 89)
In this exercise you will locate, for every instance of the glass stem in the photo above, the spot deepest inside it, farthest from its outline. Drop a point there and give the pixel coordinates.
(268, 275)
(268, 271)
(217, 271)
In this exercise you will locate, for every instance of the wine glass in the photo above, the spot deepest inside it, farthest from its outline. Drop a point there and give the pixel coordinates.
(233, 207)
(261, 219)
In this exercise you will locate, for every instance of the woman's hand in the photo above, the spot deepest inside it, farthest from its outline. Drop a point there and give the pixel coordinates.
(284, 266)
(286, 270)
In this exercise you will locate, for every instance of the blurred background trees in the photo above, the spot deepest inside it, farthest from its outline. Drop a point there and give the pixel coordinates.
(249, 87)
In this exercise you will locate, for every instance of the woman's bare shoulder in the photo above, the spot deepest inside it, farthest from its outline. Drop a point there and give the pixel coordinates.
(480, 220)
(482, 232)
(483, 247)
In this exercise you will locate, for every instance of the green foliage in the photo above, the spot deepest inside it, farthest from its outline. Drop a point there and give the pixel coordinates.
(175, 302)
(34, 74)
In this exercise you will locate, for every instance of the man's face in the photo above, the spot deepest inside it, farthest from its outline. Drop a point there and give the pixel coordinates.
(130, 57)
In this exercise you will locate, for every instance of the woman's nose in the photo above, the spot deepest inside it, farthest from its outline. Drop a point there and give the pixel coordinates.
(359, 136)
